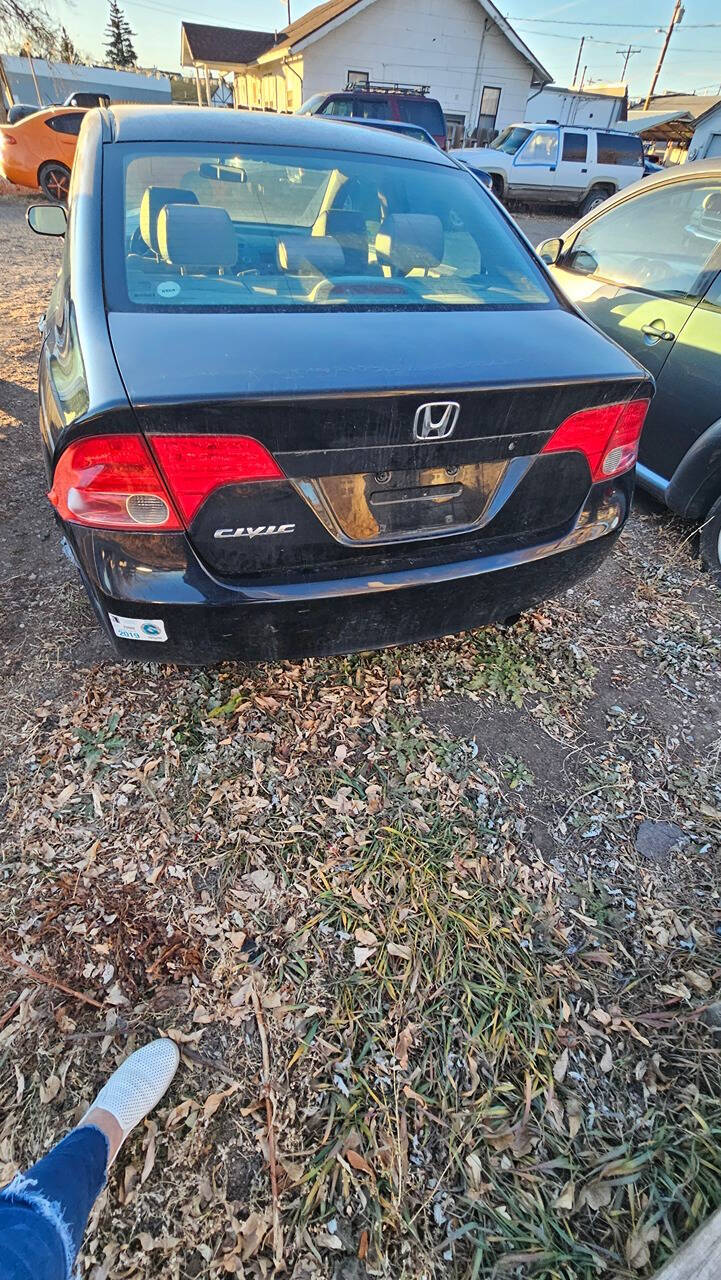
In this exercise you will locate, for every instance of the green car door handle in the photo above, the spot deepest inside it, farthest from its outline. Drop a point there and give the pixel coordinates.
(656, 331)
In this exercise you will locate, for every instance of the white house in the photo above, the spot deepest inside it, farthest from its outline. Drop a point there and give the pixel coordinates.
(465, 51)
(706, 140)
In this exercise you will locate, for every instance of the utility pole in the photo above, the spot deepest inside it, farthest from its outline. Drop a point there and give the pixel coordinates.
(676, 16)
(627, 53)
(583, 76)
(578, 59)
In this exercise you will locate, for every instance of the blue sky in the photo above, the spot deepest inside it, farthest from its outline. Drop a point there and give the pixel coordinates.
(693, 61)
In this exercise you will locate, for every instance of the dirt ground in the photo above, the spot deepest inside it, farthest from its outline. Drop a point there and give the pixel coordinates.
(469, 889)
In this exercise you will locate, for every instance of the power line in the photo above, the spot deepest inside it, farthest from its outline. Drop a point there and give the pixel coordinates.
(555, 35)
(635, 26)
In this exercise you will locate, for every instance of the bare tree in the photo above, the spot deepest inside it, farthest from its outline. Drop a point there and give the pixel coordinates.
(25, 20)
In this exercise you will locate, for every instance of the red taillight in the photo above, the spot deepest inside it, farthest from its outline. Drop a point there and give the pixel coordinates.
(194, 466)
(7, 140)
(111, 482)
(608, 436)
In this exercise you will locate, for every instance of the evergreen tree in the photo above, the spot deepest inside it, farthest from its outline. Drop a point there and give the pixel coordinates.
(118, 41)
(131, 56)
(66, 49)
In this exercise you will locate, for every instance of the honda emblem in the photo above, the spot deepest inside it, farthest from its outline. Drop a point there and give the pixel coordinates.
(436, 421)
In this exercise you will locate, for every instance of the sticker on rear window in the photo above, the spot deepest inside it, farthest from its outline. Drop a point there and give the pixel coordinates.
(167, 289)
(152, 629)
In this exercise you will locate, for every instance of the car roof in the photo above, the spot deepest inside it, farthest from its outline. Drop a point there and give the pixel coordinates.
(211, 124)
(565, 124)
(666, 178)
(40, 113)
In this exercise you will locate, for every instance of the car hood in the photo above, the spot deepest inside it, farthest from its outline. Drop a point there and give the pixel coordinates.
(194, 357)
(482, 157)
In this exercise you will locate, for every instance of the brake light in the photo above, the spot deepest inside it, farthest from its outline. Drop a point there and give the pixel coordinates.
(111, 482)
(193, 466)
(608, 436)
(7, 140)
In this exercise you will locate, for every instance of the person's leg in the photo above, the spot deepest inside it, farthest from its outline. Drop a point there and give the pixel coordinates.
(44, 1212)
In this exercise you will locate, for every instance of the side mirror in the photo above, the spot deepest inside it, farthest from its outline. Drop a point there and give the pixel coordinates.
(583, 262)
(550, 251)
(48, 219)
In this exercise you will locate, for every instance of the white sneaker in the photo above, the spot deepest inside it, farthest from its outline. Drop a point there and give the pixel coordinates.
(138, 1084)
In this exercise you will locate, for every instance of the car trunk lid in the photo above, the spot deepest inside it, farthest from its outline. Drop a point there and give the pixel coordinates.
(399, 440)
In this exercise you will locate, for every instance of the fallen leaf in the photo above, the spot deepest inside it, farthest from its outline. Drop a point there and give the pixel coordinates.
(404, 1044)
(396, 949)
(566, 1199)
(560, 1067)
(253, 1232)
(366, 938)
(325, 1240)
(699, 981)
(50, 1089)
(574, 1114)
(596, 1195)
(359, 899)
(181, 1112)
(149, 1159)
(214, 1100)
(263, 880)
(361, 955)
(363, 1246)
(356, 1161)
(607, 1060)
(638, 1254)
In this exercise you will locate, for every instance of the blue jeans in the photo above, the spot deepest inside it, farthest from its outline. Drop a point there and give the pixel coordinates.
(44, 1212)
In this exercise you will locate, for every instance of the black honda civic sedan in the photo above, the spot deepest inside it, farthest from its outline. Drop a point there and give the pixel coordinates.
(307, 390)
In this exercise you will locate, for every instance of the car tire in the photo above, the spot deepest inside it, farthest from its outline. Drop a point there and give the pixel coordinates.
(710, 542)
(54, 179)
(595, 197)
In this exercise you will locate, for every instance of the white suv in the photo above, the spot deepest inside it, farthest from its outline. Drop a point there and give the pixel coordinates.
(558, 164)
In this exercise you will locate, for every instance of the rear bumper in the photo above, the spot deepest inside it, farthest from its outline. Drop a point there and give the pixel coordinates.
(206, 620)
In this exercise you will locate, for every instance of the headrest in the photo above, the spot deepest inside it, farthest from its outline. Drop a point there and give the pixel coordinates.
(712, 203)
(154, 198)
(196, 236)
(408, 240)
(346, 226)
(310, 255)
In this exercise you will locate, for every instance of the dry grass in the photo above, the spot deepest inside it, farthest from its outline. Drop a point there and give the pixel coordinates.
(482, 1003)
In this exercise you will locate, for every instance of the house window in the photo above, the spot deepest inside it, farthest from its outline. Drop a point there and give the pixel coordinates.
(455, 128)
(358, 78)
(490, 100)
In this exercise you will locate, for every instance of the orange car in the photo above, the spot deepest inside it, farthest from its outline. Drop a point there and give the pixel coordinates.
(38, 151)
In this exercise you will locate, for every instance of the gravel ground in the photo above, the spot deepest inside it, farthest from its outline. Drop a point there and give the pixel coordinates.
(469, 889)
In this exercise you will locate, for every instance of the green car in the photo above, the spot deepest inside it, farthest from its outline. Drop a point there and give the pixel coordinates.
(646, 268)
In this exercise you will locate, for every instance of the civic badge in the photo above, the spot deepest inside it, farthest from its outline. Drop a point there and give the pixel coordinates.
(436, 421)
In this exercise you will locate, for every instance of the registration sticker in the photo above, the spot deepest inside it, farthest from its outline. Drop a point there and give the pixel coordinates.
(152, 629)
(168, 289)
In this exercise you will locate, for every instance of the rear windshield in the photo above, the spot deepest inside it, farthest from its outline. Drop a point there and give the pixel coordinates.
(426, 114)
(270, 227)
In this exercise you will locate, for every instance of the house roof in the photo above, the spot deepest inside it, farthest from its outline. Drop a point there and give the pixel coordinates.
(312, 21)
(222, 45)
(696, 104)
(311, 25)
(659, 126)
